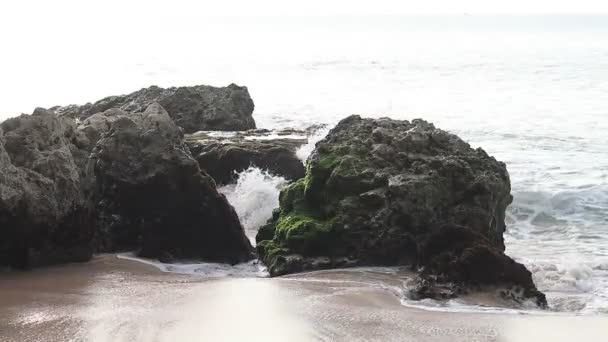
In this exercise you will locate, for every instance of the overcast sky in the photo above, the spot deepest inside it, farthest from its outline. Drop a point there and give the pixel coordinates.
(60, 51)
(23, 19)
(24, 9)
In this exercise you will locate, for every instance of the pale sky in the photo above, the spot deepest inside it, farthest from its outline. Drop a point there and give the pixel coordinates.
(29, 9)
(55, 51)
(34, 15)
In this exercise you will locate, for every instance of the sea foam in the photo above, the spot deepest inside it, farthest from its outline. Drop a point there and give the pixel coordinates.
(254, 197)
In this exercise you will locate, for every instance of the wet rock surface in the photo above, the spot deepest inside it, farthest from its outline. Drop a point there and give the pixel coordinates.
(195, 108)
(389, 192)
(152, 196)
(222, 157)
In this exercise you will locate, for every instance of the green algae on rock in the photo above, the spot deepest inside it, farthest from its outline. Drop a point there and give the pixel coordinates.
(377, 192)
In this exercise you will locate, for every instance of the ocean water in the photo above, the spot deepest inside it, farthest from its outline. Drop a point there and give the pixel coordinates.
(530, 90)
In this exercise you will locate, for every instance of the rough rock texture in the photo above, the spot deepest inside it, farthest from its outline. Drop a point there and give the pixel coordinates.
(456, 259)
(45, 208)
(97, 124)
(151, 195)
(388, 192)
(223, 157)
(196, 108)
(114, 181)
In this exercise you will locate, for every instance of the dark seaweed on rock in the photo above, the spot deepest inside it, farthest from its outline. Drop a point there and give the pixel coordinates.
(389, 192)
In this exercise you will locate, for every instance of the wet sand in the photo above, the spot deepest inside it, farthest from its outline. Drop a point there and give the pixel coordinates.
(112, 299)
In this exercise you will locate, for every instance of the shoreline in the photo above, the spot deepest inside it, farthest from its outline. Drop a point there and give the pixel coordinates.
(116, 299)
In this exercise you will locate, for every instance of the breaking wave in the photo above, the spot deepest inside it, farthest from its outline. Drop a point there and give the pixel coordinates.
(305, 150)
(254, 197)
(563, 239)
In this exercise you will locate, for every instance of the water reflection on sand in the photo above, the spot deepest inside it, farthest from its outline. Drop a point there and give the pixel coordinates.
(113, 299)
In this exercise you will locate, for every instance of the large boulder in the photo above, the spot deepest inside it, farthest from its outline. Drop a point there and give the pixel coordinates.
(223, 157)
(151, 195)
(388, 192)
(194, 108)
(46, 215)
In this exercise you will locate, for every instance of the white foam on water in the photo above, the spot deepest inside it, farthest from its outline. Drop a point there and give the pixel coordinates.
(459, 305)
(254, 197)
(217, 134)
(305, 150)
(562, 238)
(252, 268)
(273, 136)
(398, 281)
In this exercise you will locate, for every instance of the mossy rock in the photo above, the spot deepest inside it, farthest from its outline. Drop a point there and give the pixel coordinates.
(373, 194)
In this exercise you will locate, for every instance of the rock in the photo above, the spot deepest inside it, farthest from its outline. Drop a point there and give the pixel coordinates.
(196, 108)
(97, 124)
(73, 111)
(223, 157)
(459, 258)
(389, 192)
(152, 196)
(46, 215)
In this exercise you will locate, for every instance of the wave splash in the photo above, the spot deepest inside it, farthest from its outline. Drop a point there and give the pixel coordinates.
(562, 237)
(305, 150)
(254, 197)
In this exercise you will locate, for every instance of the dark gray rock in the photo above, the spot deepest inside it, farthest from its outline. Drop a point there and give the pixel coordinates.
(223, 157)
(97, 124)
(45, 208)
(389, 192)
(194, 108)
(152, 196)
(114, 181)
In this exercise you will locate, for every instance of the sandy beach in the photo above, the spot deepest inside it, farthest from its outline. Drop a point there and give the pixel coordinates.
(112, 299)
